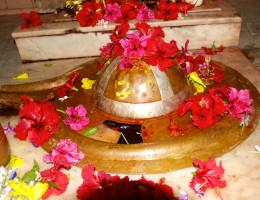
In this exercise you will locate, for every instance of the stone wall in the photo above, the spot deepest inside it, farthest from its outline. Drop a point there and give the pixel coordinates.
(8, 7)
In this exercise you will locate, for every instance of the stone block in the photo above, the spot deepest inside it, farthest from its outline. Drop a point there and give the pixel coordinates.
(47, 6)
(68, 40)
(15, 4)
(3, 4)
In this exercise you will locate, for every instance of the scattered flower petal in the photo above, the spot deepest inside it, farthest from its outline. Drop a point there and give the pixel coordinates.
(21, 76)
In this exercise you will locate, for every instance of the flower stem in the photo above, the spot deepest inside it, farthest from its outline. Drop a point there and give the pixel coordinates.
(124, 138)
(61, 111)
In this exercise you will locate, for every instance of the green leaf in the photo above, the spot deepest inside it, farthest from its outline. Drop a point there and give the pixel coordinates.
(52, 184)
(35, 166)
(90, 131)
(31, 175)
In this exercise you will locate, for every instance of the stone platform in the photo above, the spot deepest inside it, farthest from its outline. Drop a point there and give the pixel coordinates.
(241, 166)
(215, 21)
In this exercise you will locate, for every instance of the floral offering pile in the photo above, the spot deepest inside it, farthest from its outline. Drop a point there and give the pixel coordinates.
(36, 184)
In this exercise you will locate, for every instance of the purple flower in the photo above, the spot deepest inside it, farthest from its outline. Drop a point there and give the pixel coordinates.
(76, 117)
(65, 148)
(112, 12)
(134, 45)
(199, 192)
(8, 129)
(183, 195)
(144, 14)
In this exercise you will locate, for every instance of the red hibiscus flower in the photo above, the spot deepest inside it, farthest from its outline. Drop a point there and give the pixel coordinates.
(119, 32)
(208, 175)
(32, 19)
(55, 176)
(90, 14)
(204, 118)
(129, 11)
(205, 110)
(146, 30)
(68, 86)
(184, 7)
(213, 50)
(222, 92)
(159, 53)
(103, 186)
(166, 11)
(38, 121)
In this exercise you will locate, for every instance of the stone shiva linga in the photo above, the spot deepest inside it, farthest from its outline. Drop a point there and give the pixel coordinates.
(145, 94)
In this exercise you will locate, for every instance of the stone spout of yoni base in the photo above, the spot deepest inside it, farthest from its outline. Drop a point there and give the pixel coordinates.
(4, 148)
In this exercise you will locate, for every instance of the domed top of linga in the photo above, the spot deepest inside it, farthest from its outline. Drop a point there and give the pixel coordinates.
(139, 92)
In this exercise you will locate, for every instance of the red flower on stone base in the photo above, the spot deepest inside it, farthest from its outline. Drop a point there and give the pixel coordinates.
(90, 14)
(213, 49)
(58, 178)
(208, 175)
(31, 19)
(38, 121)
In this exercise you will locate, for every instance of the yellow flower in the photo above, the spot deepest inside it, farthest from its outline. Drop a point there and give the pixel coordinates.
(21, 76)
(32, 192)
(15, 162)
(87, 83)
(197, 82)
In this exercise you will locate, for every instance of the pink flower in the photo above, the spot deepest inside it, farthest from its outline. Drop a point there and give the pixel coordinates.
(125, 63)
(134, 45)
(144, 14)
(65, 148)
(239, 103)
(112, 12)
(76, 117)
(106, 50)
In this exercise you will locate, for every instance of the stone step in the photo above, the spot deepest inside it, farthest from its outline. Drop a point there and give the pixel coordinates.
(217, 22)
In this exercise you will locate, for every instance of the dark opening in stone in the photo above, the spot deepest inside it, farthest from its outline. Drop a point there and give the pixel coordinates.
(131, 133)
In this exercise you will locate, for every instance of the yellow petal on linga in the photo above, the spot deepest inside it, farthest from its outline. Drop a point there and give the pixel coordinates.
(21, 76)
(87, 83)
(199, 88)
(197, 82)
(32, 192)
(15, 162)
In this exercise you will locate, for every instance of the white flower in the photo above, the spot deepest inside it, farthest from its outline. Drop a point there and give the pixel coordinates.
(180, 16)
(102, 22)
(257, 147)
(63, 98)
